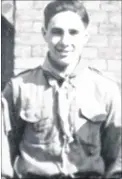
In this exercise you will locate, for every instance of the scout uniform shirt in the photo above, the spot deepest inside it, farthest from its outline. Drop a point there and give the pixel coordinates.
(69, 126)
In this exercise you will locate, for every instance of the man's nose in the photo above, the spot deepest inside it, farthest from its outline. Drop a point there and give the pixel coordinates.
(65, 40)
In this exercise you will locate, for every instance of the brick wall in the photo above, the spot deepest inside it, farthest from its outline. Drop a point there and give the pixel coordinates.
(102, 51)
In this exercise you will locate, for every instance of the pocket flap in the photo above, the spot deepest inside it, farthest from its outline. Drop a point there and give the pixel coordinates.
(30, 115)
(93, 111)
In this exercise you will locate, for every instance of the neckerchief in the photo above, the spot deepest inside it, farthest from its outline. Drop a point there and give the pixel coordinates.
(63, 95)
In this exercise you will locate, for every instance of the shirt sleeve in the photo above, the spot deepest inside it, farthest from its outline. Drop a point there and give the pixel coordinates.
(7, 169)
(111, 134)
(7, 96)
(6, 111)
(11, 124)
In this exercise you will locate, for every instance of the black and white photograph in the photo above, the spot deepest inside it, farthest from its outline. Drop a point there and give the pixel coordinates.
(61, 89)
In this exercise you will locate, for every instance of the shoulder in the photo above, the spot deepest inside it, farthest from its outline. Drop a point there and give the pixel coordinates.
(29, 72)
(103, 75)
(29, 76)
(27, 82)
(104, 81)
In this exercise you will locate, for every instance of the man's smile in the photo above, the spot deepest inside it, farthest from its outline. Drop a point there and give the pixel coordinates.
(65, 51)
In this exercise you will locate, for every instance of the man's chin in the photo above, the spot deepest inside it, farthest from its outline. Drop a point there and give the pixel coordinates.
(66, 59)
(64, 62)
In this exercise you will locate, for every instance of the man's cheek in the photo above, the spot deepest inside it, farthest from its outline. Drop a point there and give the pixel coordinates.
(55, 40)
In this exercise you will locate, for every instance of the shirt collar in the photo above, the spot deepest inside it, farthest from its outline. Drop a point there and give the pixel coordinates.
(71, 73)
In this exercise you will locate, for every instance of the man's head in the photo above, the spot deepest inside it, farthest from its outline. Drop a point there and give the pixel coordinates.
(65, 30)
(65, 5)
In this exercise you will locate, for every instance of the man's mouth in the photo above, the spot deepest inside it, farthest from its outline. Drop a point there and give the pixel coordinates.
(62, 51)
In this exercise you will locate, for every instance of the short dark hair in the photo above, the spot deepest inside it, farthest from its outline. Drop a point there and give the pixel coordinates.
(65, 5)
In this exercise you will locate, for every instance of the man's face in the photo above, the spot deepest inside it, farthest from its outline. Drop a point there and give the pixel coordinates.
(65, 36)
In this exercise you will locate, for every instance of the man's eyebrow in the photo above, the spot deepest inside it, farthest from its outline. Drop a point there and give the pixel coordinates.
(56, 28)
(73, 29)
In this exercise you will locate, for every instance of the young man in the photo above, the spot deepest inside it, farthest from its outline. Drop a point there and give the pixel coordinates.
(64, 117)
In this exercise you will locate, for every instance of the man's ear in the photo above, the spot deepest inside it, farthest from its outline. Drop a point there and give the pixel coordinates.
(44, 32)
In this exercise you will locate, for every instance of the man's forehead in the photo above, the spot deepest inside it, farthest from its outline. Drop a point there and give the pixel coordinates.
(66, 19)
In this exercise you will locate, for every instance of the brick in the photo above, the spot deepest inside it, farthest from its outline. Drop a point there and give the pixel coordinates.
(114, 41)
(92, 5)
(98, 16)
(93, 29)
(98, 41)
(99, 64)
(28, 63)
(109, 29)
(24, 4)
(109, 53)
(40, 4)
(89, 52)
(22, 51)
(38, 51)
(37, 26)
(24, 26)
(114, 65)
(112, 6)
(115, 18)
(29, 39)
(31, 14)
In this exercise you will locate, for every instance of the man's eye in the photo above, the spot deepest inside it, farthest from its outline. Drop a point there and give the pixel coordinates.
(57, 31)
(73, 32)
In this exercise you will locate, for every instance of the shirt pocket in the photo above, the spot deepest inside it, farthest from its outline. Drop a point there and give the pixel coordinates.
(34, 110)
(36, 104)
(39, 132)
(38, 123)
(89, 133)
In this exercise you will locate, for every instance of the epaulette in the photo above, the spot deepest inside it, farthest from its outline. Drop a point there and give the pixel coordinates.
(102, 73)
(95, 70)
(27, 71)
(23, 72)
